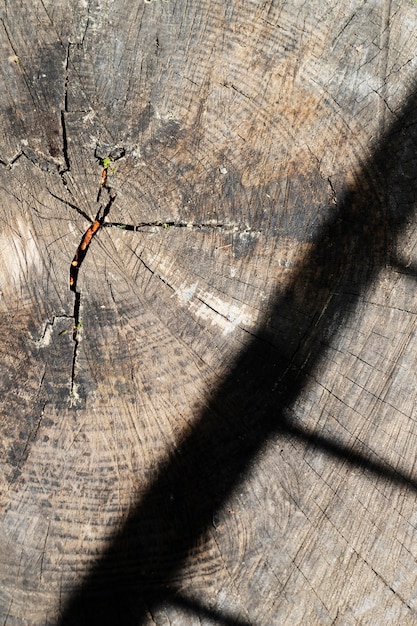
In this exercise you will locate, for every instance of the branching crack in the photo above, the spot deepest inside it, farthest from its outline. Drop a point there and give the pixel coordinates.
(47, 330)
(85, 242)
(82, 249)
(106, 157)
(9, 164)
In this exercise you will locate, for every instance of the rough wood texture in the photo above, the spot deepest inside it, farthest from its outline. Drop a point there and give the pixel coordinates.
(229, 436)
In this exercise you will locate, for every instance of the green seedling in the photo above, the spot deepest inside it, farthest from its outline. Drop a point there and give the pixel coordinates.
(76, 326)
(107, 161)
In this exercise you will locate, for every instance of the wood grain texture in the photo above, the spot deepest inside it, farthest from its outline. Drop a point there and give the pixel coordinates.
(229, 437)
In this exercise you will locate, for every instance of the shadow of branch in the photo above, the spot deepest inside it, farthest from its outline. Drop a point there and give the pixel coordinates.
(252, 403)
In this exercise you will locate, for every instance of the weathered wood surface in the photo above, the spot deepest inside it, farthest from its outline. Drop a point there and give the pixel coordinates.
(231, 438)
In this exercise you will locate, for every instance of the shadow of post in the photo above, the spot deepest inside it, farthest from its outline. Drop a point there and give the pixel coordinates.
(252, 403)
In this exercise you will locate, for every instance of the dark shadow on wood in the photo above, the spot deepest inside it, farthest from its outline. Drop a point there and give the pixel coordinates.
(404, 268)
(139, 571)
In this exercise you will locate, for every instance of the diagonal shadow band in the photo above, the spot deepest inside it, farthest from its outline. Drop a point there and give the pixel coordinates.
(138, 570)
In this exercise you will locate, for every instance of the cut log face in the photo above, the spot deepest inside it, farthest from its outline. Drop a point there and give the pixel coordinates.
(207, 339)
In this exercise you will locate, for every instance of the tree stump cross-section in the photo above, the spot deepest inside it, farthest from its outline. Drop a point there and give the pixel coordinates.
(214, 422)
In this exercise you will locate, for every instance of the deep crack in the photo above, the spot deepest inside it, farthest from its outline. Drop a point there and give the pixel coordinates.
(107, 156)
(64, 146)
(81, 252)
(77, 326)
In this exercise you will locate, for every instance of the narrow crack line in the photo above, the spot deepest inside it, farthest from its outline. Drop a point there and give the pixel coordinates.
(342, 30)
(239, 91)
(150, 615)
(22, 72)
(71, 205)
(66, 77)
(15, 158)
(87, 25)
(232, 320)
(35, 157)
(47, 329)
(65, 151)
(212, 308)
(166, 224)
(9, 608)
(65, 146)
(9, 164)
(136, 227)
(6, 30)
(387, 584)
(35, 430)
(146, 266)
(42, 412)
(333, 191)
(228, 228)
(77, 324)
(44, 551)
(106, 209)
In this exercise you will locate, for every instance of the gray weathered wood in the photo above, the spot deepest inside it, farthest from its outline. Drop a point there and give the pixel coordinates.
(230, 438)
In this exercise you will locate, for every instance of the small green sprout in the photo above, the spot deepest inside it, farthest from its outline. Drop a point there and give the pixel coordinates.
(107, 161)
(76, 326)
